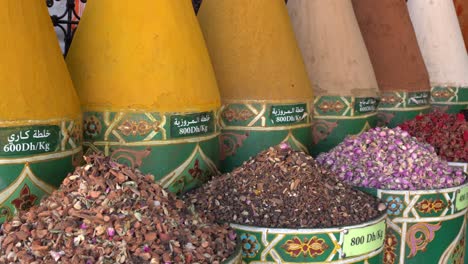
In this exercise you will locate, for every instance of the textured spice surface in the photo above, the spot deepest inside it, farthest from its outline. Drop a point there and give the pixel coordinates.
(461, 6)
(447, 133)
(390, 159)
(108, 213)
(393, 48)
(284, 188)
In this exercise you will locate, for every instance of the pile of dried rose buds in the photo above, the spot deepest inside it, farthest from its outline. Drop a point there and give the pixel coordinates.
(447, 133)
(108, 213)
(390, 159)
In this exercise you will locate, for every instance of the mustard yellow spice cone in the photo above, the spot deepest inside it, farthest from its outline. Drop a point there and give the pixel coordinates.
(40, 117)
(265, 90)
(152, 58)
(148, 89)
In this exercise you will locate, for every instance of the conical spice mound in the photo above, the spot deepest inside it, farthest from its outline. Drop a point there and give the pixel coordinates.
(397, 60)
(148, 89)
(40, 127)
(339, 68)
(441, 43)
(461, 6)
(263, 83)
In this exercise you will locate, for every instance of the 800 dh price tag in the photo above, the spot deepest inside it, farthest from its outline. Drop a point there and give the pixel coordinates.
(364, 240)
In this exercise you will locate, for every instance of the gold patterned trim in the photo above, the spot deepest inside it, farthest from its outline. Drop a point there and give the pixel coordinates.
(26, 173)
(346, 117)
(278, 128)
(41, 157)
(155, 142)
(260, 114)
(167, 180)
(55, 121)
(409, 109)
(279, 101)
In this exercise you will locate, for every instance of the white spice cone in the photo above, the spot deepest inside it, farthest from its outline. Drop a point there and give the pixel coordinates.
(441, 41)
(333, 49)
(339, 67)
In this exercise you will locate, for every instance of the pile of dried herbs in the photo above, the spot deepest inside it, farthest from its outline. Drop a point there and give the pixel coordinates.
(447, 133)
(106, 212)
(390, 159)
(283, 188)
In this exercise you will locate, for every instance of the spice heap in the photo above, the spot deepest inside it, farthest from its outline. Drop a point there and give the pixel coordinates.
(283, 188)
(390, 159)
(447, 133)
(108, 213)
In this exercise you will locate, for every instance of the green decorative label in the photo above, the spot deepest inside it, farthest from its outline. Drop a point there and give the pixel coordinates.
(288, 114)
(360, 241)
(418, 98)
(28, 140)
(462, 199)
(190, 125)
(365, 105)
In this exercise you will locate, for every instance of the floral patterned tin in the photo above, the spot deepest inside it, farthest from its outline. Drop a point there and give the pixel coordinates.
(353, 244)
(425, 226)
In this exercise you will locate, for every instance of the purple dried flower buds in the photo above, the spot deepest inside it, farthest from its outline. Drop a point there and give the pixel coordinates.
(110, 232)
(284, 146)
(146, 248)
(56, 255)
(390, 159)
(232, 235)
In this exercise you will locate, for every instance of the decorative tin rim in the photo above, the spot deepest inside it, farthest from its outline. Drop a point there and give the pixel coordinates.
(458, 164)
(431, 191)
(342, 238)
(308, 230)
(236, 256)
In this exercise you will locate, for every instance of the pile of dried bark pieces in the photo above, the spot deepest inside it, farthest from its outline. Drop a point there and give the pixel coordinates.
(106, 212)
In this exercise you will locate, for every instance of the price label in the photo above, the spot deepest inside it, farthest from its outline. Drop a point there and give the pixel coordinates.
(365, 105)
(364, 240)
(418, 98)
(288, 114)
(462, 199)
(192, 124)
(29, 140)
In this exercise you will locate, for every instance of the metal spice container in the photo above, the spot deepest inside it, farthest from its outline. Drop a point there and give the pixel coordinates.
(106, 212)
(285, 208)
(426, 198)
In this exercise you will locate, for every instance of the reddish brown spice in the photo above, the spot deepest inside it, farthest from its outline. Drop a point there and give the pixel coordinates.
(447, 133)
(393, 48)
(106, 212)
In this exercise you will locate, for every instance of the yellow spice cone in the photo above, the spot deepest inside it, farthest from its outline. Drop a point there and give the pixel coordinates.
(152, 58)
(264, 86)
(40, 129)
(34, 80)
(148, 89)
